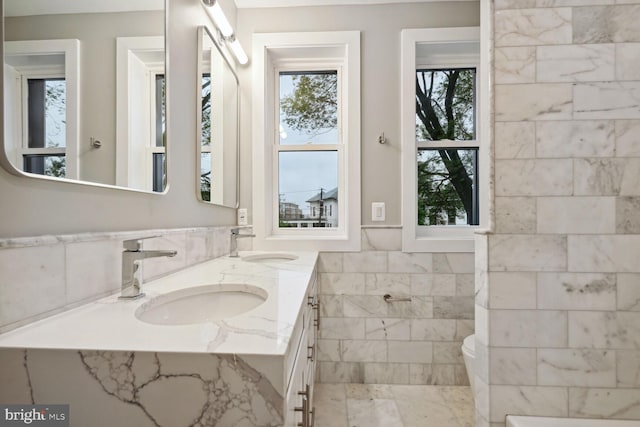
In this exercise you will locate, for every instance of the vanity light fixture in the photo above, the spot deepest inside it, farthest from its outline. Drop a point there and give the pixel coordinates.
(226, 30)
(237, 49)
(221, 21)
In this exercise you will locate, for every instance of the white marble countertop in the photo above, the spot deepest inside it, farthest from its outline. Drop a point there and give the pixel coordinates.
(110, 323)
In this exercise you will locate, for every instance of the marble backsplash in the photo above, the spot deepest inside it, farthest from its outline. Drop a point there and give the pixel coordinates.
(364, 339)
(44, 275)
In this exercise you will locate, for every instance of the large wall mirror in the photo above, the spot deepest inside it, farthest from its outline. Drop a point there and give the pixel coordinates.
(84, 91)
(218, 125)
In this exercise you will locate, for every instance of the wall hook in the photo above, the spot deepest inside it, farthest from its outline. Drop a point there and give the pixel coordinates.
(95, 143)
(382, 139)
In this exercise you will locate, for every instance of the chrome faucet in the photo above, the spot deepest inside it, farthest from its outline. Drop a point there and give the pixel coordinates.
(233, 244)
(131, 271)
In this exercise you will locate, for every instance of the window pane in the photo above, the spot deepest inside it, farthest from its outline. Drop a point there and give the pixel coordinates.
(447, 188)
(445, 104)
(161, 128)
(206, 109)
(159, 172)
(45, 165)
(309, 107)
(205, 176)
(47, 114)
(308, 189)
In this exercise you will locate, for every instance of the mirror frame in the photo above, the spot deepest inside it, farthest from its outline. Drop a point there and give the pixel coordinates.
(8, 166)
(202, 30)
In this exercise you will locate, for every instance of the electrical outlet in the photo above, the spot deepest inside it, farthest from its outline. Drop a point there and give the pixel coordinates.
(377, 211)
(242, 216)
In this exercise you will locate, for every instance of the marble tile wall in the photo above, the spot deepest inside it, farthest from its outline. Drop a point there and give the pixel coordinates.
(47, 274)
(558, 279)
(364, 339)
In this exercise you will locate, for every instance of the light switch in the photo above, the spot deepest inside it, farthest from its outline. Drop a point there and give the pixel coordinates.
(377, 211)
(242, 216)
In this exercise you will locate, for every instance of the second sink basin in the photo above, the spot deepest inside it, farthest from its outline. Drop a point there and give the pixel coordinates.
(200, 304)
(270, 257)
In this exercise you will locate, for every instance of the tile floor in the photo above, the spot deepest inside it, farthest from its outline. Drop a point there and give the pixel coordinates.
(381, 405)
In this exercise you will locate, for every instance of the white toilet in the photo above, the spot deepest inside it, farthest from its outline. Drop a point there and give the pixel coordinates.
(469, 354)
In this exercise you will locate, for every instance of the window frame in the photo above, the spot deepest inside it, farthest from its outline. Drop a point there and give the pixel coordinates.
(69, 69)
(434, 238)
(309, 51)
(131, 172)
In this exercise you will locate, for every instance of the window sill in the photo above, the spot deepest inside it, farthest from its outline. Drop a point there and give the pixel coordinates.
(338, 243)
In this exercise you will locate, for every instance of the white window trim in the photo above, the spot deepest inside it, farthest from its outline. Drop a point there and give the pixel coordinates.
(70, 48)
(436, 238)
(126, 172)
(272, 52)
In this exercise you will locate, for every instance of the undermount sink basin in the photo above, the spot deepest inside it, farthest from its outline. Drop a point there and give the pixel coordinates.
(270, 257)
(201, 304)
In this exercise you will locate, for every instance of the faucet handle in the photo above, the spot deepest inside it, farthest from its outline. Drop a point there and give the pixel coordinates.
(135, 244)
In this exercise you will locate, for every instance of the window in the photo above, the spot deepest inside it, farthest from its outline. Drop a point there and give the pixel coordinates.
(41, 106)
(307, 102)
(442, 153)
(140, 116)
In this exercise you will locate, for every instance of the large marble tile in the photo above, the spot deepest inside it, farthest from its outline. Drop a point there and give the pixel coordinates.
(515, 215)
(401, 262)
(576, 291)
(576, 215)
(626, 216)
(528, 253)
(365, 306)
(513, 366)
(604, 329)
(387, 283)
(455, 262)
(562, 139)
(381, 239)
(515, 140)
(530, 400)
(627, 55)
(528, 328)
(386, 373)
(433, 329)
(512, 290)
(540, 177)
(373, 413)
(92, 269)
(606, 100)
(515, 65)
(341, 283)
(458, 307)
(33, 282)
(575, 63)
(628, 288)
(522, 27)
(342, 328)
(627, 141)
(365, 262)
(628, 368)
(368, 391)
(330, 405)
(363, 351)
(410, 351)
(423, 406)
(609, 403)
(330, 262)
(604, 253)
(388, 329)
(604, 24)
(341, 372)
(544, 101)
(582, 368)
(461, 402)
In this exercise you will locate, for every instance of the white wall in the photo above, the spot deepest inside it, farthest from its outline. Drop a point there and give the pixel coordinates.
(32, 207)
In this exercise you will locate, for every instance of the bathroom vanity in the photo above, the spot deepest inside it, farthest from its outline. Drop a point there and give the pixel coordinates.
(157, 361)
